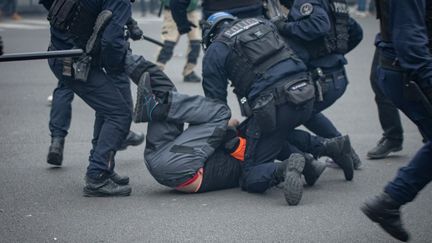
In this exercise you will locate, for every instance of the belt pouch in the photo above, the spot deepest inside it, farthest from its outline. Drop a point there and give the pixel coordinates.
(264, 112)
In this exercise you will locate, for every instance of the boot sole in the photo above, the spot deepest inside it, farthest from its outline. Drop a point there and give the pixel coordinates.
(293, 186)
(382, 156)
(54, 159)
(377, 219)
(91, 193)
(138, 111)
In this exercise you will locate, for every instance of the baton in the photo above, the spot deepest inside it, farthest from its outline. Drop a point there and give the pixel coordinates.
(40, 55)
(154, 41)
(426, 103)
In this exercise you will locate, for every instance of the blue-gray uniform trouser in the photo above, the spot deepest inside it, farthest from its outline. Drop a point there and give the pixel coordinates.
(413, 177)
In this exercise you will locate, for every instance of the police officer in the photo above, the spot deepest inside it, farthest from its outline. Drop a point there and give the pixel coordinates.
(392, 137)
(238, 8)
(106, 88)
(273, 89)
(325, 29)
(405, 76)
(170, 36)
(61, 109)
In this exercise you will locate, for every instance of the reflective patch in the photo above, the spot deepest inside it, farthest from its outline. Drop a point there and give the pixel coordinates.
(340, 7)
(241, 26)
(306, 9)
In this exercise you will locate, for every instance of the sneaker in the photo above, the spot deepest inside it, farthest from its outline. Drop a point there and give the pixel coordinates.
(146, 101)
(292, 184)
(384, 147)
(105, 187)
(192, 78)
(132, 139)
(49, 100)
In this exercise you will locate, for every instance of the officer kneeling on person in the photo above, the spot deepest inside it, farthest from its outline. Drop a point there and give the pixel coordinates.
(274, 92)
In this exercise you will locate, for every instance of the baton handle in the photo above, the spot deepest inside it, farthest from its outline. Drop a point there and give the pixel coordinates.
(152, 40)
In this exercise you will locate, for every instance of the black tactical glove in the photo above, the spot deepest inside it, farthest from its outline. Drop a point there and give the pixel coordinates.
(1, 46)
(186, 28)
(279, 22)
(135, 33)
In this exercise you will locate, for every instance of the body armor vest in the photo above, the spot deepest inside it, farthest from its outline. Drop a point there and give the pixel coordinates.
(70, 16)
(337, 39)
(221, 5)
(255, 47)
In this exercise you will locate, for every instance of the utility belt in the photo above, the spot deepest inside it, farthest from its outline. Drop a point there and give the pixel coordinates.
(296, 90)
(323, 80)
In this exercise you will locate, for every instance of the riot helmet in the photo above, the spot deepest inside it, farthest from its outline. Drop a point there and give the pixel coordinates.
(212, 26)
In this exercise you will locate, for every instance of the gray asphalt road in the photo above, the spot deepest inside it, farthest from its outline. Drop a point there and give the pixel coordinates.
(42, 204)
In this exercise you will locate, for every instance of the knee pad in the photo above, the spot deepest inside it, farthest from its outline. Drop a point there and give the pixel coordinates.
(194, 51)
(166, 52)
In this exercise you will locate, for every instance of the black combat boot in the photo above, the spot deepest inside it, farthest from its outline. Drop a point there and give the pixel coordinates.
(118, 179)
(55, 151)
(339, 149)
(312, 170)
(385, 211)
(384, 147)
(104, 186)
(132, 139)
(148, 106)
(292, 184)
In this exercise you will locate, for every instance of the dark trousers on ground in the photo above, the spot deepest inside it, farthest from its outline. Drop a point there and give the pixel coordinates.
(387, 112)
(418, 173)
(109, 95)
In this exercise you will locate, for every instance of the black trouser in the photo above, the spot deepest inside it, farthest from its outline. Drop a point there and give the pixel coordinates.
(261, 151)
(387, 112)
